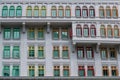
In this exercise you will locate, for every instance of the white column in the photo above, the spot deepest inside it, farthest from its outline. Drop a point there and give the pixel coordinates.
(98, 65)
(73, 10)
(118, 59)
(96, 10)
(23, 55)
(48, 10)
(73, 29)
(48, 51)
(24, 7)
(97, 29)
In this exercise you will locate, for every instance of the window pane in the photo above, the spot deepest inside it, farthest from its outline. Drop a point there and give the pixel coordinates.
(60, 13)
(85, 32)
(7, 33)
(114, 13)
(92, 32)
(64, 34)
(108, 13)
(5, 12)
(36, 12)
(43, 13)
(65, 72)
(89, 54)
(78, 32)
(31, 34)
(6, 52)
(80, 53)
(103, 54)
(56, 54)
(16, 52)
(101, 13)
(65, 54)
(41, 34)
(40, 53)
(102, 32)
(67, 13)
(55, 34)
(77, 13)
(54, 13)
(29, 12)
(109, 33)
(6, 71)
(116, 33)
(84, 13)
(41, 72)
(12, 12)
(56, 72)
(90, 72)
(81, 73)
(16, 33)
(31, 73)
(15, 71)
(91, 13)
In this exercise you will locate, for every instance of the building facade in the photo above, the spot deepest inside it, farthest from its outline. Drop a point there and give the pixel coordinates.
(60, 39)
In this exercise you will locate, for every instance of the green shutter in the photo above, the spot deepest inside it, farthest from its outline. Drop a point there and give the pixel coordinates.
(15, 71)
(56, 72)
(40, 72)
(19, 11)
(7, 33)
(16, 33)
(31, 73)
(65, 73)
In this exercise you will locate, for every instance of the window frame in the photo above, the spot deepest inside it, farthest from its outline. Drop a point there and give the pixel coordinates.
(86, 27)
(56, 68)
(106, 69)
(108, 9)
(67, 9)
(31, 68)
(116, 9)
(101, 8)
(65, 48)
(56, 48)
(41, 48)
(12, 8)
(19, 8)
(116, 28)
(93, 27)
(84, 10)
(60, 9)
(41, 68)
(77, 8)
(92, 69)
(36, 8)
(102, 27)
(29, 8)
(66, 68)
(81, 68)
(31, 49)
(78, 27)
(5, 8)
(43, 10)
(53, 14)
(91, 8)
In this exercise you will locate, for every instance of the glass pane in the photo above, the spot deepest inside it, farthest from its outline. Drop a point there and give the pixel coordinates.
(54, 13)
(16, 33)
(4, 12)
(101, 13)
(19, 12)
(6, 53)
(65, 53)
(55, 35)
(56, 54)
(81, 73)
(60, 13)
(92, 32)
(80, 54)
(90, 73)
(56, 73)
(40, 72)
(67, 13)
(102, 32)
(40, 53)
(29, 12)
(114, 13)
(78, 32)
(7, 33)
(103, 54)
(15, 71)
(31, 73)
(116, 32)
(89, 54)
(86, 32)
(36, 12)
(31, 35)
(84, 13)
(6, 71)
(43, 13)
(31, 53)
(40, 34)
(65, 73)
(91, 13)
(108, 13)
(12, 13)
(64, 35)
(109, 33)
(16, 52)
(77, 13)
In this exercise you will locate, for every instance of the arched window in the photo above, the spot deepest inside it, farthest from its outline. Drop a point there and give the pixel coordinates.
(92, 30)
(60, 11)
(116, 31)
(12, 11)
(4, 11)
(29, 11)
(86, 31)
(67, 11)
(19, 11)
(53, 11)
(114, 12)
(36, 11)
(108, 12)
(101, 12)
(84, 11)
(78, 30)
(91, 11)
(109, 31)
(77, 11)
(102, 31)
(43, 11)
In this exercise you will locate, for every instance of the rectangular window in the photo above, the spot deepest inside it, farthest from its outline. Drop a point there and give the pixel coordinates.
(90, 53)
(40, 70)
(93, 32)
(54, 13)
(6, 71)
(31, 71)
(15, 71)
(6, 52)
(7, 33)
(31, 52)
(31, 33)
(60, 14)
(40, 52)
(105, 71)
(78, 32)
(16, 52)
(91, 13)
(81, 71)
(90, 71)
(114, 71)
(55, 34)
(43, 13)
(77, 13)
(16, 33)
(67, 13)
(101, 13)
(66, 71)
(80, 52)
(40, 33)
(109, 32)
(86, 32)
(84, 13)
(56, 71)
(103, 52)
(65, 53)
(55, 52)
(64, 33)
(116, 33)
(102, 32)
(113, 54)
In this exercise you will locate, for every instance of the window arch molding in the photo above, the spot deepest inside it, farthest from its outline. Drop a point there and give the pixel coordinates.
(5, 11)
(114, 12)
(19, 11)
(36, 11)
(91, 11)
(84, 12)
(43, 11)
(68, 11)
(101, 12)
(77, 11)
(53, 11)
(108, 12)
(12, 11)
(60, 11)
(29, 11)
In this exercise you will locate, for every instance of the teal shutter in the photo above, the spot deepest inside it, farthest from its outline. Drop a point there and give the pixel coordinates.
(6, 52)
(16, 33)
(7, 33)
(19, 11)
(16, 52)
(15, 71)
(12, 11)
(31, 73)
(4, 11)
